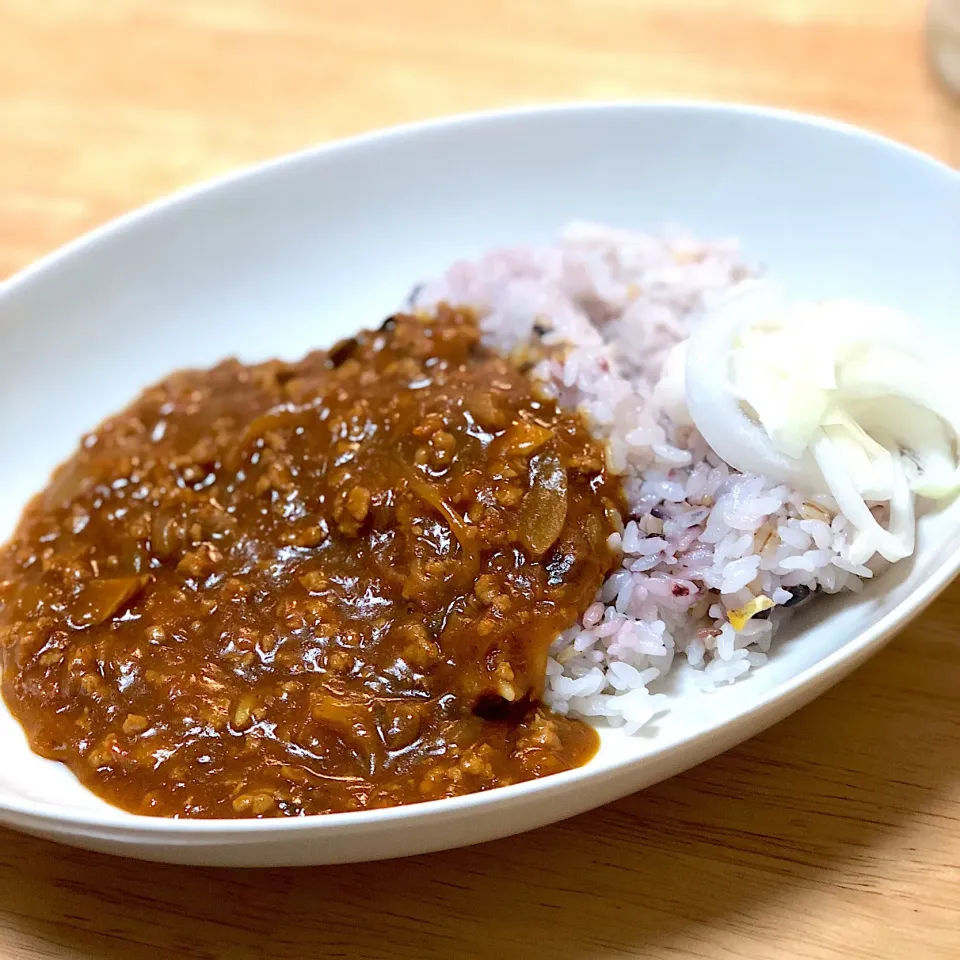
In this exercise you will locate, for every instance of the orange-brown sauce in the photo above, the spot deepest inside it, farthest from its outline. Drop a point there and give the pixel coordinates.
(291, 589)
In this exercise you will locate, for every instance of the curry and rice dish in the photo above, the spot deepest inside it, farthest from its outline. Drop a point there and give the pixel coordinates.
(416, 565)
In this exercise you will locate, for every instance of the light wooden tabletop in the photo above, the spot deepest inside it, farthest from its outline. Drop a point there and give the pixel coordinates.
(834, 835)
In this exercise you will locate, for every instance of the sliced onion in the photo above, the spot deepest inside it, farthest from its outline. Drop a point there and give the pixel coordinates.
(836, 396)
(923, 418)
(670, 393)
(903, 519)
(868, 463)
(893, 544)
(927, 444)
(713, 406)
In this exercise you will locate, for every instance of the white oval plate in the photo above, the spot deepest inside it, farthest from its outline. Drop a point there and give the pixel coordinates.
(294, 254)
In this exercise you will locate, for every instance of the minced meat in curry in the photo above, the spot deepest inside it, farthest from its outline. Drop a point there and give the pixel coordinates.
(292, 589)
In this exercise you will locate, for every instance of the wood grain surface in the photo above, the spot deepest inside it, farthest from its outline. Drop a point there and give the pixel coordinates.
(834, 835)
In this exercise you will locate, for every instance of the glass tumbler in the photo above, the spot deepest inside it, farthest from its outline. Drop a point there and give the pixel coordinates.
(943, 40)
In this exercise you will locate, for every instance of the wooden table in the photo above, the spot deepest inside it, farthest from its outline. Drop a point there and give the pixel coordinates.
(836, 834)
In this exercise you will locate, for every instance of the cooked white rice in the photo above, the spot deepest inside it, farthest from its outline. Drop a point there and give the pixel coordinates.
(701, 540)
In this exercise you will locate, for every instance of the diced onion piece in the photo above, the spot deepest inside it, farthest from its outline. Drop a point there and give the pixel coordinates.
(543, 510)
